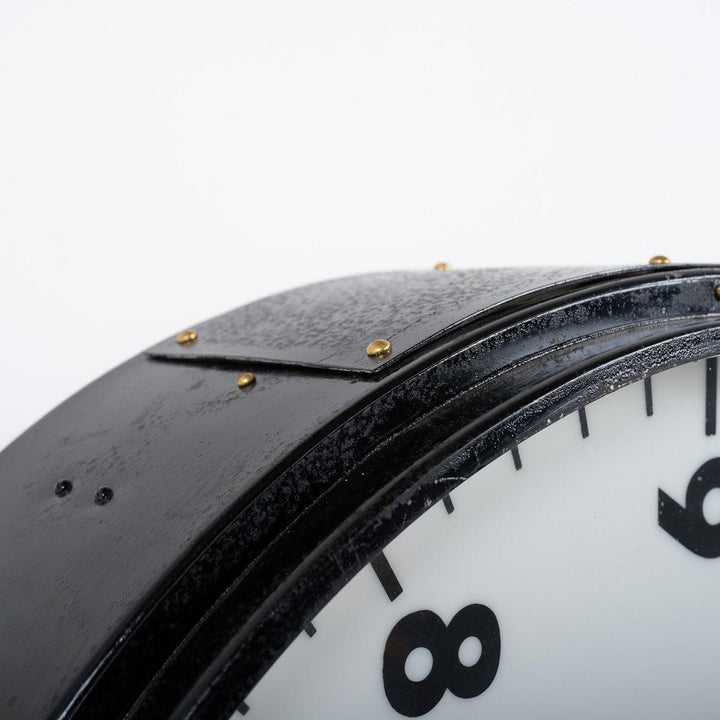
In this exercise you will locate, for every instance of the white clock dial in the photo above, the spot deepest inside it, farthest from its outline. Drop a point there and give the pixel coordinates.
(577, 576)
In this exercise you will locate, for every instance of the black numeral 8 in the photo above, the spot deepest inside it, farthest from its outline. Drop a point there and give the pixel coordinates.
(424, 629)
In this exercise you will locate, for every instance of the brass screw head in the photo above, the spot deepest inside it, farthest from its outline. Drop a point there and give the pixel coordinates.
(186, 337)
(245, 380)
(659, 260)
(442, 266)
(378, 348)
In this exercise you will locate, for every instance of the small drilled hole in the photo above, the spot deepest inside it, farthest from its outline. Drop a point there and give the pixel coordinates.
(63, 488)
(103, 496)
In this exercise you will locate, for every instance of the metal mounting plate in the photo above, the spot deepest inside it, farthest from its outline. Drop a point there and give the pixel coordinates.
(329, 325)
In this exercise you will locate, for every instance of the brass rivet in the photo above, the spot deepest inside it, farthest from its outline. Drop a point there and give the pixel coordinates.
(378, 348)
(659, 260)
(717, 292)
(442, 266)
(186, 337)
(245, 380)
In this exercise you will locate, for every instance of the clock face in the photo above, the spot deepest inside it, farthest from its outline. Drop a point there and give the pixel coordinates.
(576, 576)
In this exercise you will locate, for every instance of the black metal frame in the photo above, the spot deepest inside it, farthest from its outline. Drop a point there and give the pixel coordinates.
(482, 393)
(286, 544)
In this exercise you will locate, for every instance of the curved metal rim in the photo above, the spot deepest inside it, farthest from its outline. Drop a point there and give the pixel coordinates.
(525, 290)
(249, 643)
(407, 495)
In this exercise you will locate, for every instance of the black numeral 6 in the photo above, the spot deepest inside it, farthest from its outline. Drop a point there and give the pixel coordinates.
(688, 524)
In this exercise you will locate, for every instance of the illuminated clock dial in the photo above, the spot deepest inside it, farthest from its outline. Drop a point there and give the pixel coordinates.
(575, 576)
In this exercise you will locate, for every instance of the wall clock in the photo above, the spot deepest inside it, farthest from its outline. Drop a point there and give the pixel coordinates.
(445, 494)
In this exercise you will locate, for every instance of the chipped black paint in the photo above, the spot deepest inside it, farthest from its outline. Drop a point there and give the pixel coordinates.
(329, 324)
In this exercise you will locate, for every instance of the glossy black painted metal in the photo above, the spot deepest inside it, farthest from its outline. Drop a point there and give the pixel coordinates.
(228, 504)
(328, 325)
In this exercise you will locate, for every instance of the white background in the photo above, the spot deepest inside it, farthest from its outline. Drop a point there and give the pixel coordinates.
(161, 162)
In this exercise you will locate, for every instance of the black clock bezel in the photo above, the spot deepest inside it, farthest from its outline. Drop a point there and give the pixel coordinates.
(256, 505)
(482, 393)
